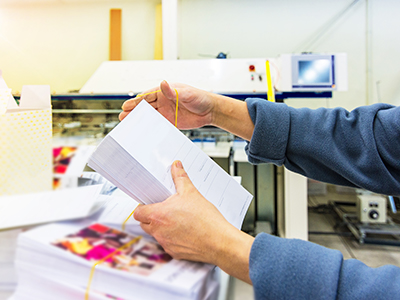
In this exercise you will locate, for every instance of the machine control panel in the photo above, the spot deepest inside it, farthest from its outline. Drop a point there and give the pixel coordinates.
(371, 208)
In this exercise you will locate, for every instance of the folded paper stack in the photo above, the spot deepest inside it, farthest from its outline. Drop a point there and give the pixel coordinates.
(136, 156)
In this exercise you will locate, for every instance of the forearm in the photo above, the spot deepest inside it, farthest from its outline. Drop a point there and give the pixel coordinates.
(293, 269)
(357, 148)
(232, 115)
(232, 253)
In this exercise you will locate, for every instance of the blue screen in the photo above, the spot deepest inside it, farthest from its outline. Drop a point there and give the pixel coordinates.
(314, 71)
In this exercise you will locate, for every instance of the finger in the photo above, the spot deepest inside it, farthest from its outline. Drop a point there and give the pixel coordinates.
(179, 176)
(142, 213)
(123, 114)
(131, 103)
(168, 92)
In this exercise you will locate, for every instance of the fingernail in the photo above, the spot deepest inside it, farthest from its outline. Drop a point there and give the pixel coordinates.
(178, 164)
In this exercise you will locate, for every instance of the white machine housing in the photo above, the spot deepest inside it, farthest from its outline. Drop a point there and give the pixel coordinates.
(312, 72)
(243, 75)
(325, 72)
(371, 208)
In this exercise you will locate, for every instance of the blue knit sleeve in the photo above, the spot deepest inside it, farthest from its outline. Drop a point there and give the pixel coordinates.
(296, 269)
(360, 148)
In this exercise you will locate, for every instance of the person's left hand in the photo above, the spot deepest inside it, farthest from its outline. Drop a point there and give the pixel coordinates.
(190, 227)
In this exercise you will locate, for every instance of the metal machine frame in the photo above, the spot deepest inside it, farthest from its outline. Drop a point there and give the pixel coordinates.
(366, 233)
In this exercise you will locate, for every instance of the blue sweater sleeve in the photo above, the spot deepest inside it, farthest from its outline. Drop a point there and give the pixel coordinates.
(295, 269)
(360, 148)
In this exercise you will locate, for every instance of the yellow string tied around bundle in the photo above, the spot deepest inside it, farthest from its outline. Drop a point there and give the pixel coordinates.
(127, 219)
(104, 259)
(176, 125)
(176, 103)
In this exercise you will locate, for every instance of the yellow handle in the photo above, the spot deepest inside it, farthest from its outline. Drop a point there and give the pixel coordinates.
(270, 92)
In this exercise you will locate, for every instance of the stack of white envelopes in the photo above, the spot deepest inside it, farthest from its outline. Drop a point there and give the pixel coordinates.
(136, 156)
(54, 262)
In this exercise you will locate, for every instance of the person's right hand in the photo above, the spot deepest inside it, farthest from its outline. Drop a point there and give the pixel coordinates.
(195, 107)
(190, 227)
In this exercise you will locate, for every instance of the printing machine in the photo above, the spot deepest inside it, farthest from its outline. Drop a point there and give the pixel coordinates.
(280, 196)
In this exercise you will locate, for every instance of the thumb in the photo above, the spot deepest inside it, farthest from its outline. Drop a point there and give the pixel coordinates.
(168, 92)
(142, 213)
(179, 176)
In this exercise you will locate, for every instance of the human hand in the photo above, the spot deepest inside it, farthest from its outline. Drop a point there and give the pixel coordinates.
(190, 227)
(195, 106)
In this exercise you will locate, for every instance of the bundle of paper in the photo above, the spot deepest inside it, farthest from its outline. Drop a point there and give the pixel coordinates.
(54, 262)
(137, 155)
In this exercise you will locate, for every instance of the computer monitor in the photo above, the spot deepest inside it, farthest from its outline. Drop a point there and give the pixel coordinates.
(313, 72)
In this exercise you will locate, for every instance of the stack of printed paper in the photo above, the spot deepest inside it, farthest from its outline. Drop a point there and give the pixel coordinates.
(137, 155)
(55, 261)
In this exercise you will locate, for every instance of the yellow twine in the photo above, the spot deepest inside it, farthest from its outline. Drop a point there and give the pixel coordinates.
(123, 224)
(176, 104)
(176, 125)
(176, 109)
(142, 95)
(270, 91)
(104, 259)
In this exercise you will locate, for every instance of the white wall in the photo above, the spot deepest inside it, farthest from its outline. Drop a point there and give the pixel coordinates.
(386, 50)
(260, 28)
(62, 43)
(266, 28)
